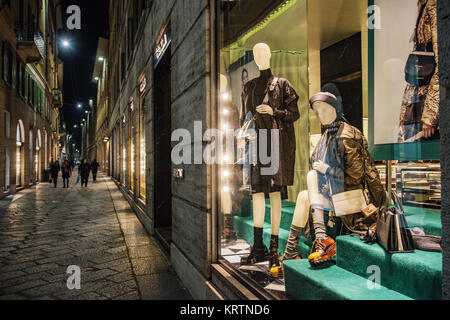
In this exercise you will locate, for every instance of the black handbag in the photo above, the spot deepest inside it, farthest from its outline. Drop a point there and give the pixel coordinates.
(420, 68)
(392, 229)
(421, 64)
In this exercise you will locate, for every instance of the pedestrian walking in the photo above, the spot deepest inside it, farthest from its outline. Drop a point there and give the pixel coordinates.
(54, 171)
(49, 169)
(94, 167)
(84, 170)
(66, 172)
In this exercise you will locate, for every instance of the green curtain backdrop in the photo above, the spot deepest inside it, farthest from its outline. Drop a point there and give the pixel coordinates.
(293, 65)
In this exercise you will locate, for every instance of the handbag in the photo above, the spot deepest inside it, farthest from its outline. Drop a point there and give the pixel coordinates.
(420, 68)
(421, 64)
(349, 202)
(392, 229)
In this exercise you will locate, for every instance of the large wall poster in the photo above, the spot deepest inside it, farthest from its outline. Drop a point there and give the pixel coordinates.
(394, 99)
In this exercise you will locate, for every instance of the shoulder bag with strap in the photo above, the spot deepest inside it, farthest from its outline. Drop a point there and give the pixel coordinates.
(421, 64)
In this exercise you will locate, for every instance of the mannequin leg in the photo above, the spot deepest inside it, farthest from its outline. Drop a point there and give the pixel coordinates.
(275, 217)
(324, 246)
(299, 221)
(228, 234)
(259, 209)
(317, 205)
(275, 212)
(259, 252)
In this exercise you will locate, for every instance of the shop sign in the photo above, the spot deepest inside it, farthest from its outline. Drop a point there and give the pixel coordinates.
(162, 44)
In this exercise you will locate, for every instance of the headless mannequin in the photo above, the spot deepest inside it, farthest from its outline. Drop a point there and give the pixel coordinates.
(262, 55)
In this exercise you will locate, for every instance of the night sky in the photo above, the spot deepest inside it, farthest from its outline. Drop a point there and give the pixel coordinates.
(79, 59)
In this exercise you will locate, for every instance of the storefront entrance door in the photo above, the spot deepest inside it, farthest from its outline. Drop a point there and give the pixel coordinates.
(163, 164)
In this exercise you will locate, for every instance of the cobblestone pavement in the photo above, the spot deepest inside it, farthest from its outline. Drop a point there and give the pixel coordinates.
(44, 230)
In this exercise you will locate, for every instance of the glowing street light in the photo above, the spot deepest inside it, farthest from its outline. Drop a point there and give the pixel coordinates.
(101, 58)
(65, 43)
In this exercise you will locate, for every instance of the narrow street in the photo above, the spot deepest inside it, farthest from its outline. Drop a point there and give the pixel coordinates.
(44, 230)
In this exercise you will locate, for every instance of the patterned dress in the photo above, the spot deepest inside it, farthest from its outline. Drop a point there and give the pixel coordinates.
(428, 94)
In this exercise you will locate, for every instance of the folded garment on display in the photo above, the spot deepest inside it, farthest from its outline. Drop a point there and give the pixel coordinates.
(426, 242)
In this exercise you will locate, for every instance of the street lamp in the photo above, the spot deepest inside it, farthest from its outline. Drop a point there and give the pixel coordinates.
(79, 106)
(101, 58)
(65, 43)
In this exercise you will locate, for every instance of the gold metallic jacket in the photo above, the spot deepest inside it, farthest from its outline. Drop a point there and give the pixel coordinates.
(351, 168)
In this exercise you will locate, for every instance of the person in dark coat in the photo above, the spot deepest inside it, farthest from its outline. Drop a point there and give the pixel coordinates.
(84, 170)
(66, 171)
(54, 171)
(94, 166)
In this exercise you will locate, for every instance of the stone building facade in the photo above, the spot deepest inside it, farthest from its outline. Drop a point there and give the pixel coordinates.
(444, 69)
(161, 74)
(159, 58)
(30, 92)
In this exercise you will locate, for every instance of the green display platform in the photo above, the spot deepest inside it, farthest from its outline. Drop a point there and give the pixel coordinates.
(332, 283)
(415, 275)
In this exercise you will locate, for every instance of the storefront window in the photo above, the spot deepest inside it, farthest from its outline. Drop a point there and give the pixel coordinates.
(322, 112)
(142, 155)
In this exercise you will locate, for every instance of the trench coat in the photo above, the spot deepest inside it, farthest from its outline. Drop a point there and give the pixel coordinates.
(284, 101)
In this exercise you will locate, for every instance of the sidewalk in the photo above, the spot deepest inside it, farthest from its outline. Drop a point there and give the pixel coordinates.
(44, 230)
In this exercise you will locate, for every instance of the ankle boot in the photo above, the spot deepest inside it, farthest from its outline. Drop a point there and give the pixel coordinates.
(258, 252)
(273, 260)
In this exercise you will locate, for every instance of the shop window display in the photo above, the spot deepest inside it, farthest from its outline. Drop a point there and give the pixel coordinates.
(328, 88)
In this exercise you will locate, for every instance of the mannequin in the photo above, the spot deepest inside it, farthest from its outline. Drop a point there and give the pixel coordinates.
(340, 162)
(260, 97)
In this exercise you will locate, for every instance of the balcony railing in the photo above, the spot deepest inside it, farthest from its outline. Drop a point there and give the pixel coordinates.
(30, 42)
(57, 98)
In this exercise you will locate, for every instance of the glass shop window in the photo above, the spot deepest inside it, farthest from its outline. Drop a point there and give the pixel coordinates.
(321, 112)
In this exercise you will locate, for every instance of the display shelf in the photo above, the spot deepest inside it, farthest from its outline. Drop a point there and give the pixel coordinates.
(419, 184)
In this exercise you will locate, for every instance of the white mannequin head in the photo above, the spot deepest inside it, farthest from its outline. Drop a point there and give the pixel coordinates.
(325, 112)
(262, 55)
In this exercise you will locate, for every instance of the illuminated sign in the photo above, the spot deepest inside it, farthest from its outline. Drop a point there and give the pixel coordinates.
(162, 44)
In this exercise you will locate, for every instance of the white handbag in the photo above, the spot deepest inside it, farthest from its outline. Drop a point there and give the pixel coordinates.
(349, 202)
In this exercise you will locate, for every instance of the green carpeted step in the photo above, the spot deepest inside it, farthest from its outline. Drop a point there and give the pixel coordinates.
(332, 283)
(428, 220)
(417, 275)
(244, 228)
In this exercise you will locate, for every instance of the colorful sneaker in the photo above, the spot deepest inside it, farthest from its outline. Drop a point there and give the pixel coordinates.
(325, 250)
(277, 272)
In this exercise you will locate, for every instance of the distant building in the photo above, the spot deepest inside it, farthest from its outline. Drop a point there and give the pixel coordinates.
(30, 92)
